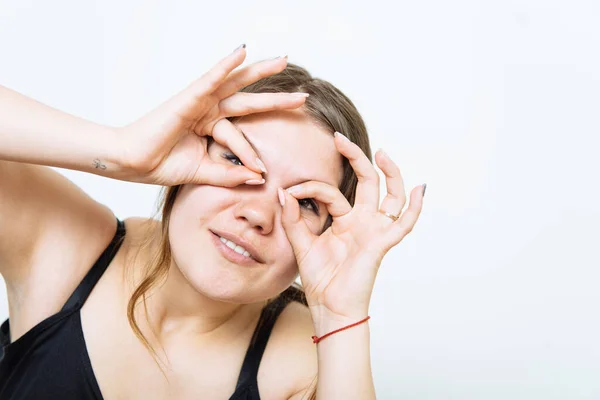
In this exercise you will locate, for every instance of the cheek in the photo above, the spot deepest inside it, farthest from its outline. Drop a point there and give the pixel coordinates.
(281, 276)
(191, 216)
(286, 262)
(199, 201)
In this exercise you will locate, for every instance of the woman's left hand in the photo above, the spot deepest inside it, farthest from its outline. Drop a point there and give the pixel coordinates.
(338, 267)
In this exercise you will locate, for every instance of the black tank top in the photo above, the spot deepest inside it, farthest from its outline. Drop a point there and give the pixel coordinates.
(50, 361)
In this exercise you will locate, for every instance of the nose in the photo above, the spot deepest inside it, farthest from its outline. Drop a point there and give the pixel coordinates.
(259, 206)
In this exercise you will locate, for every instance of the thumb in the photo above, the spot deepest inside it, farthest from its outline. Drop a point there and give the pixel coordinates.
(300, 237)
(223, 175)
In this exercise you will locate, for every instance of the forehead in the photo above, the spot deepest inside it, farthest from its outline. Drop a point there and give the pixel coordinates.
(292, 145)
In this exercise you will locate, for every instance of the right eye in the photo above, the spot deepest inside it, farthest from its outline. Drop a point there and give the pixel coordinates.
(231, 157)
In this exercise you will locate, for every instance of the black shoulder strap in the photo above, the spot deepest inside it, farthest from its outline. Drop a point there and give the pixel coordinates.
(86, 285)
(259, 341)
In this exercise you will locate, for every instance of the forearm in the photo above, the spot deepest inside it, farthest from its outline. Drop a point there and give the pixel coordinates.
(31, 132)
(344, 360)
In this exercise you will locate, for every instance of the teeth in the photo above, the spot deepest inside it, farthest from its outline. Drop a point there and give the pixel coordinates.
(235, 247)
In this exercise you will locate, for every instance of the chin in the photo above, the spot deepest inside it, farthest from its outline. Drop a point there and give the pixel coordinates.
(203, 266)
(215, 281)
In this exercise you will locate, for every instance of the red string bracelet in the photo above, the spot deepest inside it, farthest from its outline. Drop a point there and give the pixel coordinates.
(318, 339)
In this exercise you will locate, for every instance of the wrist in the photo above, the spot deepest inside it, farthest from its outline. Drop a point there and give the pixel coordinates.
(102, 153)
(325, 321)
(130, 167)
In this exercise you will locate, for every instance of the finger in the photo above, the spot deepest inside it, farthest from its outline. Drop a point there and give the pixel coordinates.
(216, 76)
(333, 200)
(403, 226)
(212, 173)
(228, 135)
(190, 100)
(395, 199)
(250, 74)
(296, 230)
(367, 189)
(250, 103)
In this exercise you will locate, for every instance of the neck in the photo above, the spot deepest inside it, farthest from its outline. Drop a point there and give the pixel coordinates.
(176, 310)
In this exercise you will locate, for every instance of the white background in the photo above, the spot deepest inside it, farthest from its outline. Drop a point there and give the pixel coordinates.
(495, 104)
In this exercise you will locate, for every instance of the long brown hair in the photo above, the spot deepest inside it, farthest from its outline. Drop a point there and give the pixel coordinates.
(329, 108)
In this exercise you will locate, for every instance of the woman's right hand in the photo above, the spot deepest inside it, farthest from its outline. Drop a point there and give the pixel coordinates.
(168, 146)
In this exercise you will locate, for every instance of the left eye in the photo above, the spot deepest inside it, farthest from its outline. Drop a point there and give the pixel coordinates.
(231, 157)
(310, 203)
(307, 202)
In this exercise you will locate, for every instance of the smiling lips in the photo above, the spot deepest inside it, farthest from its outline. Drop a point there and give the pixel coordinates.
(236, 249)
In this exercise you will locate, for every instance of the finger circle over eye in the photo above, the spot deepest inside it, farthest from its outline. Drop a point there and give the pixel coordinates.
(227, 134)
(337, 205)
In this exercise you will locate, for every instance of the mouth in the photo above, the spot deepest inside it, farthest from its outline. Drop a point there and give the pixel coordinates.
(232, 255)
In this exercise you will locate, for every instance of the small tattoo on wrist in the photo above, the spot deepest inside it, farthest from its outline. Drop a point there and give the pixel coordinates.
(98, 164)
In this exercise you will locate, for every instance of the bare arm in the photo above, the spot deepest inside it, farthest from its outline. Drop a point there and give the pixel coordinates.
(167, 146)
(38, 204)
(34, 133)
(344, 362)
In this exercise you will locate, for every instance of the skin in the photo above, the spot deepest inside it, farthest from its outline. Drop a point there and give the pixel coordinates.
(208, 307)
(201, 330)
(203, 283)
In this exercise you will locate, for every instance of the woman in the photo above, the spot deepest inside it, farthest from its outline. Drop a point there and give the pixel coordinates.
(201, 303)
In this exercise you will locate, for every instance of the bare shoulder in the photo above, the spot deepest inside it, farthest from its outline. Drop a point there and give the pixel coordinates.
(291, 356)
(62, 257)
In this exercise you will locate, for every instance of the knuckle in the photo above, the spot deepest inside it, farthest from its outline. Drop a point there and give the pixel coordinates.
(213, 79)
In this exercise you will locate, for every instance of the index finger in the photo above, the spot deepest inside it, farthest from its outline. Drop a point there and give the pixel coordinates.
(227, 134)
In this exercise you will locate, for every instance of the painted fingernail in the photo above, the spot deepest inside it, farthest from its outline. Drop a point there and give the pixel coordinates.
(260, 165)
(255, 181)
(281, 196)
(424, 188)
(343, 137)
(300, 94)
(242, 46)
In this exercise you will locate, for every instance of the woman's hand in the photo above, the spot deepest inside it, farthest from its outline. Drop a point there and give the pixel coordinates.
(338, 268)
(168, 146)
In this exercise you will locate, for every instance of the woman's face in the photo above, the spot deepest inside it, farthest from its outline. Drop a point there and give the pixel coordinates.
(294, 150)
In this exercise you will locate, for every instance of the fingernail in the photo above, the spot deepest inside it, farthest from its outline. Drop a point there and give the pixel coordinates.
(383, 153)
(300, 94)
(424, 188)
(255, 181)
(261, 165)
(242, 46)
(294, 189)
(343, 137)
(278, 57)
(281, 196)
